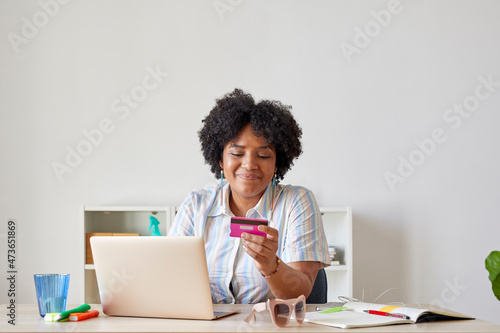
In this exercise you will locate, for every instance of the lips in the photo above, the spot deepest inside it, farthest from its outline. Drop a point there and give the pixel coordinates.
(248, 176)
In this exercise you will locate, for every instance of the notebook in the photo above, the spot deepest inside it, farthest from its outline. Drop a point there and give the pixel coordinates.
(161, 277)
(353, 315)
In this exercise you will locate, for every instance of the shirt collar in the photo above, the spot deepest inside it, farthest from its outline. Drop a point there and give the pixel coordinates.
(262, 209)
(217, 208)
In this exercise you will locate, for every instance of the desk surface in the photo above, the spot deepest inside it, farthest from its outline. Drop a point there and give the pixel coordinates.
(28, 320)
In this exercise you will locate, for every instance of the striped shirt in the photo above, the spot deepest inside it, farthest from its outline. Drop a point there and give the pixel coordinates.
(232, 273)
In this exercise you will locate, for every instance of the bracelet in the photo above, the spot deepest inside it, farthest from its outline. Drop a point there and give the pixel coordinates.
(275, 271)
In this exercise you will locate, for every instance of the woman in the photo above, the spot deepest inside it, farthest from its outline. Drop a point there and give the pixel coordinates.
(250, 147)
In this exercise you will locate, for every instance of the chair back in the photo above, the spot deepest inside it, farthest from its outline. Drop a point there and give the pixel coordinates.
(319, 293)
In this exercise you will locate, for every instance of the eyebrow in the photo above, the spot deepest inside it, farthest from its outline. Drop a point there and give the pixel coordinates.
(234, 145)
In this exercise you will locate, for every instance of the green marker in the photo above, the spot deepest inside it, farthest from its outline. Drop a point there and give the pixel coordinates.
(65, 314)
(335, 309)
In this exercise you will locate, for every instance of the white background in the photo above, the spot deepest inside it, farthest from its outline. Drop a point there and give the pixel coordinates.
(361, 115)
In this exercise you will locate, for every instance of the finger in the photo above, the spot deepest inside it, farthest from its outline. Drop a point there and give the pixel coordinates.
(260, 254)
(248, 250)
(253, 238)
(260, 242)
(260, 246)
(272, 233)
(256, 247)
(261, 261)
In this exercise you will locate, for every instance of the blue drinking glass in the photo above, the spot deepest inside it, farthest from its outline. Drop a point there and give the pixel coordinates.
(51, 292)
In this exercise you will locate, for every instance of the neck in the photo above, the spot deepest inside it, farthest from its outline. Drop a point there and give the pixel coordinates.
(240, 205)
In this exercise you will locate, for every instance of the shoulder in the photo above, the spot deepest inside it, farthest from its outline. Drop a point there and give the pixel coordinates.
(295, 191)
(203, 195)
(197, 203)
(297, 197)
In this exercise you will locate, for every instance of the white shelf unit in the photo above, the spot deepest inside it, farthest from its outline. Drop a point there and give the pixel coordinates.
(117, 219)
(337, 222)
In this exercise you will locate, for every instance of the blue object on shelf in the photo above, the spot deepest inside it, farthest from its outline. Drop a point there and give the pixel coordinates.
(153, 223)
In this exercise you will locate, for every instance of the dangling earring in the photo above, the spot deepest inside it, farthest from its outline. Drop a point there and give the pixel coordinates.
(221, 186)
(273, 191)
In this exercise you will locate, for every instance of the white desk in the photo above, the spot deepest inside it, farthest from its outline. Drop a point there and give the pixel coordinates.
(28, 320)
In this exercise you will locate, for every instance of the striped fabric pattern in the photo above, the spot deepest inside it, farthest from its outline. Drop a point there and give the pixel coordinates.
(296, 216)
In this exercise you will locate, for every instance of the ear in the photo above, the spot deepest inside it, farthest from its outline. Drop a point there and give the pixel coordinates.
(221, 165)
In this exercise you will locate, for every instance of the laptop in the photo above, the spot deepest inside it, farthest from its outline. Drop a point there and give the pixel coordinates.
(160, 277)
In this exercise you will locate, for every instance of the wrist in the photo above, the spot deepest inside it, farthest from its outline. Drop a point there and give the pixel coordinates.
(267, 276)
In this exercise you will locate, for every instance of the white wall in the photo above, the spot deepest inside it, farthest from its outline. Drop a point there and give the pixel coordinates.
(361, 115)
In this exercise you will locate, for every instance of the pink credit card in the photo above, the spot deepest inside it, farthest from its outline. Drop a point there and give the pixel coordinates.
(240, 225)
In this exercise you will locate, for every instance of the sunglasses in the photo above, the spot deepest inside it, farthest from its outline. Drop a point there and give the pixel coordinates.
(281, 310)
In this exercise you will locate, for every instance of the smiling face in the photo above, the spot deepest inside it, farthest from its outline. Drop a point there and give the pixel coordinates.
(249, 163)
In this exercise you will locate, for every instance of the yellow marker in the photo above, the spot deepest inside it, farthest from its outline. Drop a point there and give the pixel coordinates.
(50, 317)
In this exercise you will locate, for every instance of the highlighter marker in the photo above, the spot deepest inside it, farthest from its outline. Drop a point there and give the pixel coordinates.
(50, 317)
(65, 314)
(79, 316)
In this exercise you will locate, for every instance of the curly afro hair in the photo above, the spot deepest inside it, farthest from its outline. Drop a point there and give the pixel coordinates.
(270, 119)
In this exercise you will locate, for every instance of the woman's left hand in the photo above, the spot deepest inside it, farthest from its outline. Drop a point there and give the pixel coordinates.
(262, 249)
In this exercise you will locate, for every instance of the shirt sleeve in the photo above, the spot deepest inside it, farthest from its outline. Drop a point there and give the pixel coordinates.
(305, 238)
(183, 224)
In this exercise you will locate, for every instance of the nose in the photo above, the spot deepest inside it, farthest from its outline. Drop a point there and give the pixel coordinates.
(249, 162)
